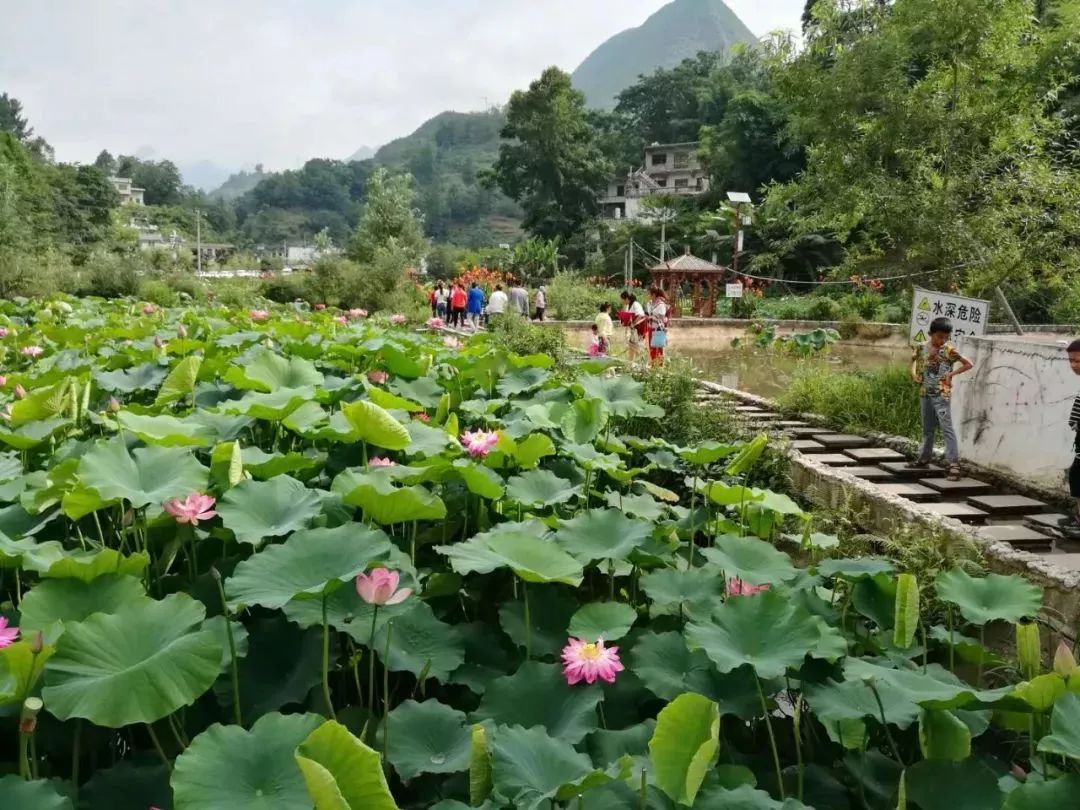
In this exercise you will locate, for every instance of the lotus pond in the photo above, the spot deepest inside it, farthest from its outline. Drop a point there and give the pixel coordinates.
(291, 560)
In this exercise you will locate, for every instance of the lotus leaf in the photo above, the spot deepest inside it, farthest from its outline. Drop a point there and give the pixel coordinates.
(341, 772)
(750, 560)
(257, 510)
(602, 620)
(991, 598)
(428, 737)
(684, 745)
(147, 476)
(537, 695)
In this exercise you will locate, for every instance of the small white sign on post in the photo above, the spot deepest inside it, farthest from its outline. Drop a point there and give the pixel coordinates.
(734, 290)
(969, 316)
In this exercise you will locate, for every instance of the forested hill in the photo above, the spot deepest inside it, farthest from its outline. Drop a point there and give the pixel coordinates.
(445, 156)
(678, 31)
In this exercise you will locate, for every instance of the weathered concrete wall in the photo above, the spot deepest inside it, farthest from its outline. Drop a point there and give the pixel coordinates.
(1012, 410)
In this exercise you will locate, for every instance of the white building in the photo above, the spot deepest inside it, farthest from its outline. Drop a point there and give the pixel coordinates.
(129, 193)
(669, 169)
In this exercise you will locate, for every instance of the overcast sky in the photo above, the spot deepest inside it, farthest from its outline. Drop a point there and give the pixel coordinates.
(280, 81)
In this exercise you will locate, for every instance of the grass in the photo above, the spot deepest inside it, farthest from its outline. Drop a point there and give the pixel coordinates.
(884, 400)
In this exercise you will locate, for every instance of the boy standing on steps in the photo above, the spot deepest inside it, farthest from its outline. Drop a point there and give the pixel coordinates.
(933, 368)
(1073, 522)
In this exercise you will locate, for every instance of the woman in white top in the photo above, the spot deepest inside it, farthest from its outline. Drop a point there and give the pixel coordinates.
(636, 323)
(441, 297)
(658, 324)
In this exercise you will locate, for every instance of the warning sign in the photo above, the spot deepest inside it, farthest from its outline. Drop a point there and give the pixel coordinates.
(734, 290)
(969, 316)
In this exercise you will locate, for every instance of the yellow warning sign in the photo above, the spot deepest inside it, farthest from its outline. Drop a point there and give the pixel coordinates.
(920, 338)
(925, 305)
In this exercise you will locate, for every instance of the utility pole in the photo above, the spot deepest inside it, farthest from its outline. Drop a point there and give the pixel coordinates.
(198, 241)
(663, 239)
(630, 266)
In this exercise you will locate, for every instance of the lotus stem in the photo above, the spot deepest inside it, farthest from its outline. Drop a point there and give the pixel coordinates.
(386, 693)
(772, 739)
(412, 544)
(75, 745)
(982, 655)
(157, 747)
(528, 621)
(643, 792)
(371, 663)
(885, 725)
(326, 661)
(797, 729)
(952, 650)
(234, 667)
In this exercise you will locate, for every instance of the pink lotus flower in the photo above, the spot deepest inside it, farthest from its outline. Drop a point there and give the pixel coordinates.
(422, 417)
(362, 313)
(8, 635)
(380, 587)
(320, 307)
(3, 332)
(479, 443)
(436, 323)
(32, 351)
(380, 461)
(259, 315)
(192, 509)
(20, 392)
(148, 309)
(181, 330)
(378, 377)
(3, 381)
(114, 405)
(342, 320)
(584, 661)
(398, 319)
(736, 587)
(451, 342)
(357, 313)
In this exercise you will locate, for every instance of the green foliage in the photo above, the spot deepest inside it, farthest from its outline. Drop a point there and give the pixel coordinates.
(884, 400)
(571, 297)
(549, 160)
(520, 336)
(109, 275)
(388, 221)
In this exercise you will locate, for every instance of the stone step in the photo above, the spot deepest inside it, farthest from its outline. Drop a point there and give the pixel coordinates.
(841, 441)
(1007, 505)
(874, 474)
(835, 459)
(901, 470)
(912, 492)
(963, 488)
(1046, 522)
(1018, 535)
(749, 409)
(963, 512)
(1070, 562)
(808, 446)
(874, 455)
(792, 423)
(764, 416)
(803, 433)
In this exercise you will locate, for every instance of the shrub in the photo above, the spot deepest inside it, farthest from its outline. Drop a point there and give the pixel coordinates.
(157, 292)
(746, 307)
(109, 275)
(570, 297)
(35, 276)
(283, 289)
(187, 284)
(673, 387)
(520, 336)
(823, 308)
(884, 400)
(849, 326)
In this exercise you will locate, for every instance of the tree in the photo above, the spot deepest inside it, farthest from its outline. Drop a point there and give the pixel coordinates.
(83, 202)
(549, 160)
(12, 119)
(106, 162)
(160, 179)
(388, 221)
(26, 214)
(932, 143)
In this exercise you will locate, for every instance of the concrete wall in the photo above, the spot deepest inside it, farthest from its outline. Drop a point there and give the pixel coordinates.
(1012, 410)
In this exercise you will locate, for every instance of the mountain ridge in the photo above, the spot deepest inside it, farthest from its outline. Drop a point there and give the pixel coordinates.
(678, 31)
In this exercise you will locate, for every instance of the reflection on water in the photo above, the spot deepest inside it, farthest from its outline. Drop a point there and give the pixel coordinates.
(767, 372)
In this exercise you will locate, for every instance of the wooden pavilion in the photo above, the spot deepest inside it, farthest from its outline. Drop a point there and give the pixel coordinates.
(688, 277)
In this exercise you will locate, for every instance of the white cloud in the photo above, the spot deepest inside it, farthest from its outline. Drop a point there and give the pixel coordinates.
(280, 81)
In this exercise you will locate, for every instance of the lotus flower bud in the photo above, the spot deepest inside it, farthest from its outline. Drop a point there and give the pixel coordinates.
(37, 643)
(1064, 661)
(114, 405)
(158, 344)
(181, 330)
(20, 392)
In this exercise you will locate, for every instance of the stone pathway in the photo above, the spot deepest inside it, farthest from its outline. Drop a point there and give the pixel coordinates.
(1023, 522)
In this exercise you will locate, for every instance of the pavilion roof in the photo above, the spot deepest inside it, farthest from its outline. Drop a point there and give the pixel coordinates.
(688, 263)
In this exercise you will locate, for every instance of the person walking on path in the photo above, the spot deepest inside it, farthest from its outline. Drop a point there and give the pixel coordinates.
(1072, 523)
(633, 317)
(433, 303)
(497, 305)
(441, 300)
(605, 328)
(457, 305)
(519, 300)
(541, 302)
(658, 325)
(933, 368)
(475, 305)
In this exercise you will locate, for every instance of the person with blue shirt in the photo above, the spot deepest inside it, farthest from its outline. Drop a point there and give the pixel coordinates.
(475, 306)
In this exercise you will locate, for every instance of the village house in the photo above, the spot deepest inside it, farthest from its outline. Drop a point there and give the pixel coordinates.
(128, 191)
(669, 169)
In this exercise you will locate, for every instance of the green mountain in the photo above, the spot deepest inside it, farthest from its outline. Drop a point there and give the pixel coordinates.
(239, 184)
(676, 32)
(446, 156)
